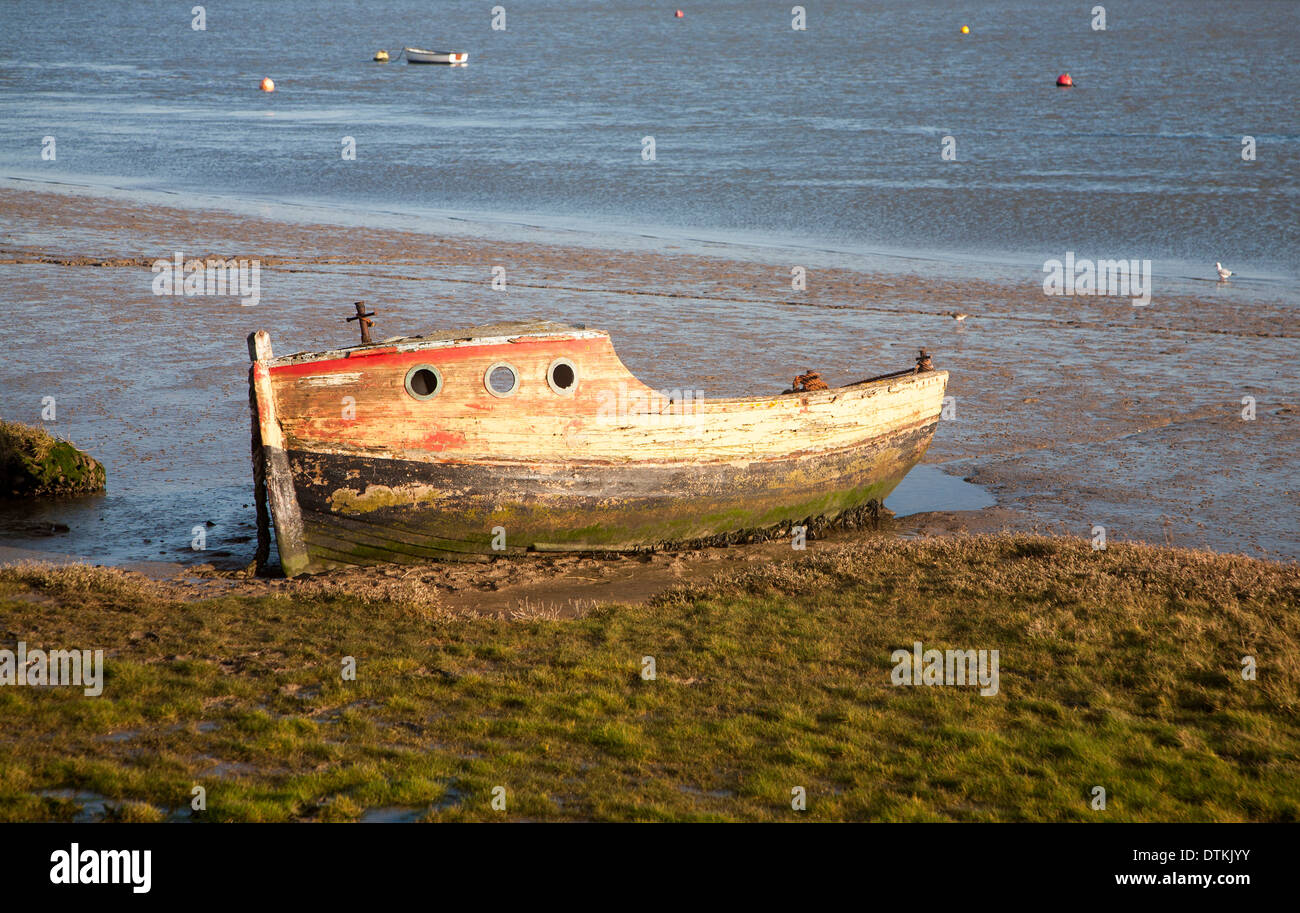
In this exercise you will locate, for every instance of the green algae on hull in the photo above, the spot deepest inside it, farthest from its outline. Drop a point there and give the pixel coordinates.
(503, 510)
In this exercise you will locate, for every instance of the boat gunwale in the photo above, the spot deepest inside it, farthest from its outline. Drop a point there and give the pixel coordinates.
(407, 344)
(420, 344)
(856, 386)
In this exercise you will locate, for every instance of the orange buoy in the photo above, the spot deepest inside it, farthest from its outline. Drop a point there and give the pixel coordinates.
(965, 29)
(268, 84)
(679, 14)
(1064, 81)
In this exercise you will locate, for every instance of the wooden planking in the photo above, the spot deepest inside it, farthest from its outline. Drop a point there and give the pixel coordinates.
(611, 466)
(590, 507)
(611, 417)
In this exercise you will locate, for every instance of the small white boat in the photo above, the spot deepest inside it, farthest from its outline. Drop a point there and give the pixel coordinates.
(451, 58)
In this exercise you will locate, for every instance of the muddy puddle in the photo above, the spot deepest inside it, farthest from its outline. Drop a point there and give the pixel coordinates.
(928, 488)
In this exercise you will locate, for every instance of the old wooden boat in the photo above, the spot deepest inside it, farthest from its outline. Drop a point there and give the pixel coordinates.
(452, 58)
(535, 437)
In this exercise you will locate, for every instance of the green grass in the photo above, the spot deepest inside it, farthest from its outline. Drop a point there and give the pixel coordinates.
(33, 442)
(1118, 669)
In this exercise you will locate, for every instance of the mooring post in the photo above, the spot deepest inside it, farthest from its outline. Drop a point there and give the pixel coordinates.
(259, 349)
(276, 478)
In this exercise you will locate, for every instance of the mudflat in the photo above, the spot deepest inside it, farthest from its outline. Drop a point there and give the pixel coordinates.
(1073, 412)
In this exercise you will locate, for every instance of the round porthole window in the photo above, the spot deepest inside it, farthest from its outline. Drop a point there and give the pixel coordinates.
(424, 381)
(562, 375)
(501, 379)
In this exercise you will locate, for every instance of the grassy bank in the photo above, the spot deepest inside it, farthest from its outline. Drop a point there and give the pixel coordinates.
(1119, 669)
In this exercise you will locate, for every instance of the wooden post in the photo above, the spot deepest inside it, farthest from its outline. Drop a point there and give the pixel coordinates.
(272, 476)
(259, 349)
(263, 553)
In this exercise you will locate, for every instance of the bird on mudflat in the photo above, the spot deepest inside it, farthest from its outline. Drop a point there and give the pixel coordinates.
(957, 315)
(1223, 273)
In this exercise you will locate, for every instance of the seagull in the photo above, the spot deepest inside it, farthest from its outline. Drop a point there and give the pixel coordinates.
(1223, 273)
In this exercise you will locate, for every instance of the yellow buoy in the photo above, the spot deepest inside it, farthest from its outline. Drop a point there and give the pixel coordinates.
(381, 56)
(965, 29)
(268, 85)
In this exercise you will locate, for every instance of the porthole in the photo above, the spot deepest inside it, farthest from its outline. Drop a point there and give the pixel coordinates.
(562, 375)
(501, 379)
(424, 381)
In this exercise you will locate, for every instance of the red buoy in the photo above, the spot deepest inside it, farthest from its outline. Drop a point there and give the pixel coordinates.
(679, 14)
(1064, 81)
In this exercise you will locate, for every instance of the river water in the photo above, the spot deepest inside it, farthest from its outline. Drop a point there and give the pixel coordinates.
(828, 137)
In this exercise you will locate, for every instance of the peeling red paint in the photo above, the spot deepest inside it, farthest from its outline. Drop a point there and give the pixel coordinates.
(439, 441)
(387, 358)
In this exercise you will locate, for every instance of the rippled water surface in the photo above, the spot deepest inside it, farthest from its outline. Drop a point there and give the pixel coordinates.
(828, 137)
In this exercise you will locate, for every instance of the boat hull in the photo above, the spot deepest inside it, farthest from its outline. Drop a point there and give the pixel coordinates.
(360, 466)
(360, 510)
(449, 58)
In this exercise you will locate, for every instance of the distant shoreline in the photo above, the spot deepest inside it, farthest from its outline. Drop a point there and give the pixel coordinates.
(998, 266)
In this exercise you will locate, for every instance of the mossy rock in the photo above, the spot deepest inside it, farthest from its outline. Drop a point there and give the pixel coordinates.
(35, 464)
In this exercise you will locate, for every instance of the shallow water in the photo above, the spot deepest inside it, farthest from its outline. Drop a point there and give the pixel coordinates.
(137, 523)
(827, 139)
(140, 528)
(928, 488)
(392, 815)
